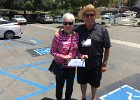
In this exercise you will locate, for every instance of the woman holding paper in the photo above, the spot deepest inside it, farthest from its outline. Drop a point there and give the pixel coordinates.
(65, 47)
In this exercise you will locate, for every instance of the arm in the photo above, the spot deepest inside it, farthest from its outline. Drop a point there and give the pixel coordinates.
(54, 46)
(107, 46)
(105, 59)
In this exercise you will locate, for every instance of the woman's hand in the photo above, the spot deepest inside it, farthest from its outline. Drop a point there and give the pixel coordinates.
(67, 57)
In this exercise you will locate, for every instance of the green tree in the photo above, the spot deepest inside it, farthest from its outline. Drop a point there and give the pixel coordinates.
(29, 5)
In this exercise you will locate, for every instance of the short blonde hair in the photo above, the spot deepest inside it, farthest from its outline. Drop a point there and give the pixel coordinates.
(68, 16)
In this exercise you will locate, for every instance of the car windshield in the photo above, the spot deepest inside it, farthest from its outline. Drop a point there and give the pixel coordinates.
(19, 16)
(46, 16)
(58, 17)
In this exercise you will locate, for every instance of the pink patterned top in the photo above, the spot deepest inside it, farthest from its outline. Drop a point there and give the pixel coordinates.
(60, 46)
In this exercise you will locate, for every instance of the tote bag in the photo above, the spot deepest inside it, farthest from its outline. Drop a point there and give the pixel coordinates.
(56, 69)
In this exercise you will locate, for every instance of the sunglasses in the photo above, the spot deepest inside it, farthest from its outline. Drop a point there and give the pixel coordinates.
(67, 23)
(87, 15)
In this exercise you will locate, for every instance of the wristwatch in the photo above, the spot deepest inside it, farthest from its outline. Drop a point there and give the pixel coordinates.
(104, 64)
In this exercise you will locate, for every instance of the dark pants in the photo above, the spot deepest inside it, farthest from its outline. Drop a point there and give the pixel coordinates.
(68, 75)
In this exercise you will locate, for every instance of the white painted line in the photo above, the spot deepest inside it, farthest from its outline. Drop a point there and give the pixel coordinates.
(137, 91)
(124, 86)
(45, 27)
(102, 97)
(114, 91)
(131, 44)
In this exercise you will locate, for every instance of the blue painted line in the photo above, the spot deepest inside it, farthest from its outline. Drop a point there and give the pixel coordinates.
(43, 88)
(38, 41)
(25, 97)
(42, 62)
(38, 67)
(28, 65)
(23, 80)
(11, 68)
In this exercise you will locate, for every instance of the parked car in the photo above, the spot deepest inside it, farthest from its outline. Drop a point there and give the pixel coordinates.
(45, 19)
(9, 29)
(107, 16)
(1, 18)
(118, 15)
(58, 19)
(128, 13)
(138, 14)
(20, 19)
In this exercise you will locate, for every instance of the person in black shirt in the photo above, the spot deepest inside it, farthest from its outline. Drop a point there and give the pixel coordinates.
(94, 44)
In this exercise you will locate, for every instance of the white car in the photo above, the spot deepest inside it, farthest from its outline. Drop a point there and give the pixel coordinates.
(1, 18)
(9, 29)
(58, 19)
(107, 16)
(20, 19)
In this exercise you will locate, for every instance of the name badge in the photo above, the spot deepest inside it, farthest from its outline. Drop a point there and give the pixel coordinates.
(86, 43)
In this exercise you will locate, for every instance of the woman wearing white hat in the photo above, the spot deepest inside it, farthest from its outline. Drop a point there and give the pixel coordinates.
(65, 47)
(94, 44)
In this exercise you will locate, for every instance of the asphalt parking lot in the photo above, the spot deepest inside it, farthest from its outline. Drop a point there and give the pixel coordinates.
(25, 60)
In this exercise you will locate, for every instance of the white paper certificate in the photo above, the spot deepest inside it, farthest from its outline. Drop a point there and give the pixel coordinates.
(76, 63)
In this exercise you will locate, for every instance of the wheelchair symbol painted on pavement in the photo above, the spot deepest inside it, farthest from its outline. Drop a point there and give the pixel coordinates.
(132, 96)
(123, 93)
(42, 51)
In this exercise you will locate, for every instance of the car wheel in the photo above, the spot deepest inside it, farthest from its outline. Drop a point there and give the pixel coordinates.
(9, 35)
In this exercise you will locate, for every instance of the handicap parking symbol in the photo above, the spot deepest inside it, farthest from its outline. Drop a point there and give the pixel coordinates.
(123, 93)
(42, 51)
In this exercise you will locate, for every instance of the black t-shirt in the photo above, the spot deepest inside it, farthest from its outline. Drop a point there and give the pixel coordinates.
(99, 40)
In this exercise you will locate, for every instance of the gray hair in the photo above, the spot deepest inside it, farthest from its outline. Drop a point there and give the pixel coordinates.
(68, 16)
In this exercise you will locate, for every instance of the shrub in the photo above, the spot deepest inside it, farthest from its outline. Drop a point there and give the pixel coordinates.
(78, 20)
(103, 23)
(6, 18)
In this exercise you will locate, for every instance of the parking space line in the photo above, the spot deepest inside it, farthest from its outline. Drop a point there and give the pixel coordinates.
(24, 43)
(32, 65)
(52, 86)
(45, 27)
(24, 97)
(131, 44)
(23, 80)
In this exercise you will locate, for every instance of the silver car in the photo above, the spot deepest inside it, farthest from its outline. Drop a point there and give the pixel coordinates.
(58, 19)
(45, 19)
(9, 29)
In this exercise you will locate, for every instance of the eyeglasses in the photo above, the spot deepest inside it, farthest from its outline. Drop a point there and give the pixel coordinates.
(87, 15)
(67, 23)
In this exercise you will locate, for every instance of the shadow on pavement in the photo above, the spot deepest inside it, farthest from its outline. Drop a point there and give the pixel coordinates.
(46, 98)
